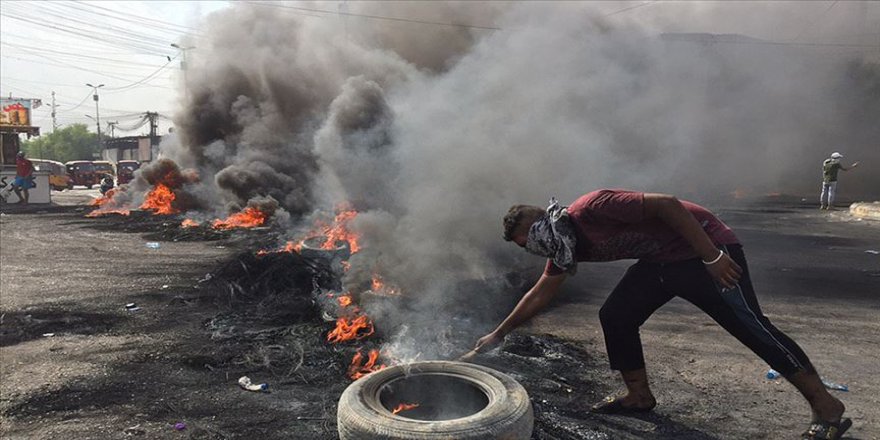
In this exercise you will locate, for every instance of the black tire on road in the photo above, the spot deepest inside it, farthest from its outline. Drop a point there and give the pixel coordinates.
(508, 415)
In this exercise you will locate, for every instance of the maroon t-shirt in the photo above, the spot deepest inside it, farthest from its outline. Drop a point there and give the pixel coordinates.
(611, 225)
(23, 167)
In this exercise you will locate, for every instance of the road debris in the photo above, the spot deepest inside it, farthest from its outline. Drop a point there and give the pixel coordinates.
(245, 383)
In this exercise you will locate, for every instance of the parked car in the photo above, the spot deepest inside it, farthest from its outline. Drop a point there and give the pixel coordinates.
(58, 178)
(125, 170)
(81, 172)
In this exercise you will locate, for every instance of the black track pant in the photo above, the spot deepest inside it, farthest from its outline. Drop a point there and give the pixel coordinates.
(647, 286)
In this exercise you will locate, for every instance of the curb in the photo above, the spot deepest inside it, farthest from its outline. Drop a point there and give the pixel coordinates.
(865, 210)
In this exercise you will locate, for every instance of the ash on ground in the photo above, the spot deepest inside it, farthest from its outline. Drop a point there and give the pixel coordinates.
(273, 327)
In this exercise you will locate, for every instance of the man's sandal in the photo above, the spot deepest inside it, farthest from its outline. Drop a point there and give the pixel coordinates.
(613, 405)
(827, 430)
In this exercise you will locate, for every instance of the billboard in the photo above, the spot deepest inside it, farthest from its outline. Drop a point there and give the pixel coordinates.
(15, 112)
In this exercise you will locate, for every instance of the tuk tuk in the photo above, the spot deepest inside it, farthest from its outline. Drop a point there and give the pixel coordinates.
(82, 172)
(125, 170)
(58, 178)
(103, 167)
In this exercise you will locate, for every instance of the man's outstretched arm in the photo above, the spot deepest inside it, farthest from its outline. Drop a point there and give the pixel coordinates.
(670, 210)
(855, 164)
(531, 303)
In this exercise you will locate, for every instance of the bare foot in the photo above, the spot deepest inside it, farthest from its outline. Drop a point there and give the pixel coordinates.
(829, 411)
(631, 400)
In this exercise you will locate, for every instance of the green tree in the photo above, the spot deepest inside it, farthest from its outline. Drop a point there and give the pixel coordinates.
(74, 142)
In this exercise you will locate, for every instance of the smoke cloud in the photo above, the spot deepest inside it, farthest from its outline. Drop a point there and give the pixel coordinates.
(432, 130)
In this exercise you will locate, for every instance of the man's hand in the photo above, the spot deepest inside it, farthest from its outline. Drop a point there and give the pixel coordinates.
(487, 342)
(855, 164)
(725, 271)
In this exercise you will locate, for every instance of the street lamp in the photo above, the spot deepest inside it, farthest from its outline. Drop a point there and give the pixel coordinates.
(97, 117)
(183, 65)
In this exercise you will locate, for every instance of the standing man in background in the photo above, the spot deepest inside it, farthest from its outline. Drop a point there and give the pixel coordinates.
(829, 179)
(24, 177)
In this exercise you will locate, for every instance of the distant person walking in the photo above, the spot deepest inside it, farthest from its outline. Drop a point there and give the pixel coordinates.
(830, 167)
(24, 177)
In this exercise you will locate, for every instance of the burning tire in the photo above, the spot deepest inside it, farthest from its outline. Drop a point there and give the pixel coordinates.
(435, 400)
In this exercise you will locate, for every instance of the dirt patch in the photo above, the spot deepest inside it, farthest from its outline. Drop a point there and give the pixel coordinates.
(35, 322)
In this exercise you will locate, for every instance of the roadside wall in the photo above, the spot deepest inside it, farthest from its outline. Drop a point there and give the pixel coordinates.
(40, 194)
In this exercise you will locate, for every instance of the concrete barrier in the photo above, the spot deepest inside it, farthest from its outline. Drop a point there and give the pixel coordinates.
(865, 210)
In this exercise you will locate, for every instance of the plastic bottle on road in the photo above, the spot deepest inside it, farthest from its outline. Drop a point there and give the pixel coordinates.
(834, 386)
(153, 245)
(773, 374)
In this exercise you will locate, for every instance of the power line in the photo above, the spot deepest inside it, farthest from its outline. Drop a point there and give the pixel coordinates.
(146, 78)
(377, 17)
(72, 66)
(158, 23)
(119, 40)
(630, 8)
(115, 61)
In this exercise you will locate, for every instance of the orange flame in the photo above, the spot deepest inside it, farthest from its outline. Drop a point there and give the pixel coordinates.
(101, 201)
(344, 300)
(348, 330)
(358, 369)
(101, 212)
(107, 205)
(379, 286)
(159, 199)
(249, 218)
(339, 231)
(289, 247)
(404, 407)
(189, 223)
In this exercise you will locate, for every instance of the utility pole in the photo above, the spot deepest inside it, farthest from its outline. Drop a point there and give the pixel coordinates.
(153, 117)
(112, 125)
(97, 115)
(183, 65)
(54, 121)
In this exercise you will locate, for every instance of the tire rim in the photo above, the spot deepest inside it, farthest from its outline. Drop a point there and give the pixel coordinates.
(443, 396)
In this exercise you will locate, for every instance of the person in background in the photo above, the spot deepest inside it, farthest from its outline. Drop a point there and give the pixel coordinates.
(106, 184)
(24, 177)
(829, 179)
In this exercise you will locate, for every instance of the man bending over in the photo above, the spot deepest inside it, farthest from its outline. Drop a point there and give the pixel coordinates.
(682, 250)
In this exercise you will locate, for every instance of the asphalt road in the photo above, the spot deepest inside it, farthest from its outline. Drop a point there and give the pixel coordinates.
(63, 324)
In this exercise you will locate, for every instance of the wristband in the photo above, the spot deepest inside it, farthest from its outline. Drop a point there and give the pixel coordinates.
(709, 263)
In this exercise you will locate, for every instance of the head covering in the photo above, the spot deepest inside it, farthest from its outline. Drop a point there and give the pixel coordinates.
(836, 155)
(20, 154)
(552, 236)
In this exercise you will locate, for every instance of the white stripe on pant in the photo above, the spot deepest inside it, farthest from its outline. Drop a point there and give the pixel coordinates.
(828, 191)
